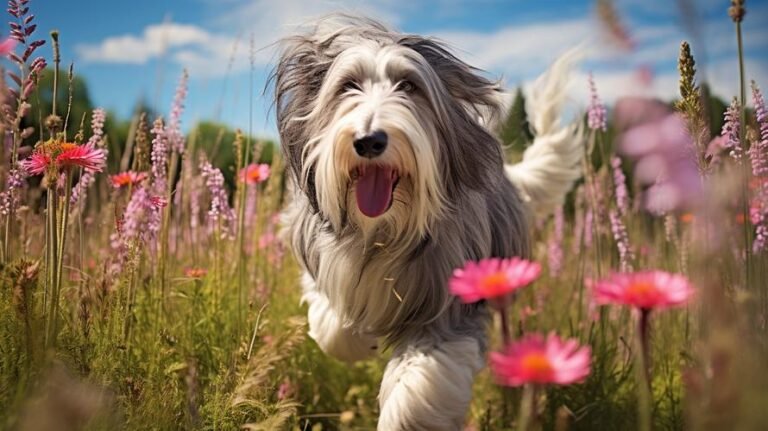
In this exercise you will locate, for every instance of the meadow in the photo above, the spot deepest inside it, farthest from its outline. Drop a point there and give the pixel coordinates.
(144, 287)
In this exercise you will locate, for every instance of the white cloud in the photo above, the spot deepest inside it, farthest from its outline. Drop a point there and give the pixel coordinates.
(153, 42)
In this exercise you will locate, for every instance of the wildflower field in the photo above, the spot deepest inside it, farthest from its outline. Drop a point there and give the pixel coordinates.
(144, 285)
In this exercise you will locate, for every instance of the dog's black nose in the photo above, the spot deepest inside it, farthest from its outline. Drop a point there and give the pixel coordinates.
(372, 145)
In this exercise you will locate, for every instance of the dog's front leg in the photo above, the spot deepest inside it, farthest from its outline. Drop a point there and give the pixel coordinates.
(327, 328)
(428, 385)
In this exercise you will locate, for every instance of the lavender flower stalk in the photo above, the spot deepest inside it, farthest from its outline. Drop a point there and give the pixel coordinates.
(9, 199)
(626, 255)
(758, 153)
(134, 228)
(730, 131)
(159, 158)
(555, 244)
(596, 117)
(96, 140)
(173, 133)
(221, 217)
(620, 184)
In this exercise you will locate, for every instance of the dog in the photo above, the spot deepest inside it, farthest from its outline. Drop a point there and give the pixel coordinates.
(396, 179)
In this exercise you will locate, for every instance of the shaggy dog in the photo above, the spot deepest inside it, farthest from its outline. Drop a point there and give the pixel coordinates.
(396, 180)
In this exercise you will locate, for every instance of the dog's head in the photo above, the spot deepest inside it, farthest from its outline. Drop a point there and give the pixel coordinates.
(381, 128)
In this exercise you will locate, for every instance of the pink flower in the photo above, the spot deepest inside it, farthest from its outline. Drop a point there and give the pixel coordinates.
(255, 173)
(36, 163)
(266, 240)
(89, 158)
(664, 155)
(127, 178)
(492, 278)
(158, 201)
(7, 46)
(534, 359)
(645, 290)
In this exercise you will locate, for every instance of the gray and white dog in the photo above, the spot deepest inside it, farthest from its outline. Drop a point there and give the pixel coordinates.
(396, 180)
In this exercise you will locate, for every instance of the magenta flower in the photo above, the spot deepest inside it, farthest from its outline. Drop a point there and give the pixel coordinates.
(55, 155)
(492, 278)
(535, 359)
(89, 158)
(36, 164)
(255, 173)
(645, 290)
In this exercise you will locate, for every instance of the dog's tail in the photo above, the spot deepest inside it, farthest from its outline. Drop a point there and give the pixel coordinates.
(552, 163)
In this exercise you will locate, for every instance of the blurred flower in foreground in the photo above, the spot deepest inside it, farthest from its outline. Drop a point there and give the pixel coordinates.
(492, 278)
(255, 173)
(664, 154)
(127, 178)
(7, 46)
(645, 290)
(57, 155)
(535, 359)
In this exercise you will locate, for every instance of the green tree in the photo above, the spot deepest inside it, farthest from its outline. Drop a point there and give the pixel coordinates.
(514, 132)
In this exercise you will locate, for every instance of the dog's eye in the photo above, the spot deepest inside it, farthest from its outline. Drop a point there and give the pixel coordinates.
(351, 85)
(405, 86)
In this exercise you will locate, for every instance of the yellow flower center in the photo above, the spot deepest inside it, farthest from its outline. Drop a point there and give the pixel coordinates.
(641, 289)
(538, 366)
(494, 284)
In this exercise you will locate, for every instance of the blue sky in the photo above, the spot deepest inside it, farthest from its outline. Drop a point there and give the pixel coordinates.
(131, 50)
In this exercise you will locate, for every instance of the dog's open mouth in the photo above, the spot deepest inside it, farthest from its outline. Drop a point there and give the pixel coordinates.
(374, 189)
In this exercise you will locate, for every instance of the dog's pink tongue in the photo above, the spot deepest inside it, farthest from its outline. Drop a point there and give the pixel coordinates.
(374, 190)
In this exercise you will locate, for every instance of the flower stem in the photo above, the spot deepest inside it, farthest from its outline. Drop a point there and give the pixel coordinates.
(505, 337)
(527, 416)
(643, 370)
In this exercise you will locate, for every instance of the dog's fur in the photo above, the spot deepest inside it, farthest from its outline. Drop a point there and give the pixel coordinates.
(384, 279)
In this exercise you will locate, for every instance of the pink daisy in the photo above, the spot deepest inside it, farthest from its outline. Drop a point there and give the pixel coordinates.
(645, 290)
(492, 278)
(534, 359)
(89, 158)
(56, 155)
(36, 164)
(255, 173)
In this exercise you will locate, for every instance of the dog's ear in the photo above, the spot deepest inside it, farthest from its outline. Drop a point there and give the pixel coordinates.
(473, 153)
(298, 77)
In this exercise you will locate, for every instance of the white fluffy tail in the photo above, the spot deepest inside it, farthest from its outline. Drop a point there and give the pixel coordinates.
(552, 163)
